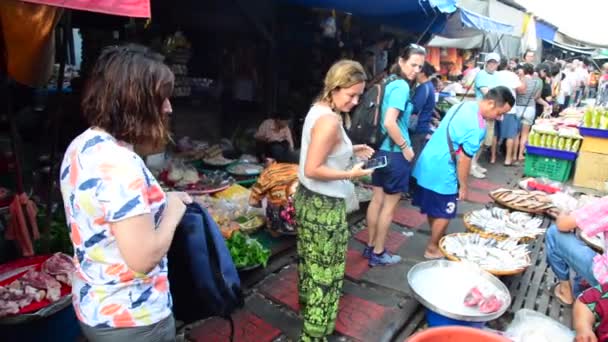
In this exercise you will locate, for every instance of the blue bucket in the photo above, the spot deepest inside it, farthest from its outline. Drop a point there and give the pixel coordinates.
(435, 319)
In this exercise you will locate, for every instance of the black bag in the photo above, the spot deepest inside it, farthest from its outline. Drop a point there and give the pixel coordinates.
(204, 281)
(365, 119)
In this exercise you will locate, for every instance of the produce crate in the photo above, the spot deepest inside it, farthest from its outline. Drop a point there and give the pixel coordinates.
(553, 168)
(593, 132)
(549, 152)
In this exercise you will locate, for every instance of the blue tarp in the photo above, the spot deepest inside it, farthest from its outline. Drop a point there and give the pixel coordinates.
(465, 24)
(545, 31)
(413, 15)
(483, 23)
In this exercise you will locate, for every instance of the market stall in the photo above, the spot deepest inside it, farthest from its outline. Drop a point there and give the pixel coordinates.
(573, 143)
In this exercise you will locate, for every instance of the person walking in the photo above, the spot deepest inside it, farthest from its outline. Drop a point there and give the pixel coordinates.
(322, 198)
(525, 107)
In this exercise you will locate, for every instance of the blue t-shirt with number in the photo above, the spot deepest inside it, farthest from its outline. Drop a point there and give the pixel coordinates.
(396, 95)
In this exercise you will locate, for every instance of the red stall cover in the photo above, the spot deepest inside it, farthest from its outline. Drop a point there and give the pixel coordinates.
(127, 8)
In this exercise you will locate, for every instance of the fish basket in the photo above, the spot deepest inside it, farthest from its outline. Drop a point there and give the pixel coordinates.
(512, 207)
(552, 168)
(498, 273)
(481, 232)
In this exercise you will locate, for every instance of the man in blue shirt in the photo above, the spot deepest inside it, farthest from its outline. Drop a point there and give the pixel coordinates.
(440, 181)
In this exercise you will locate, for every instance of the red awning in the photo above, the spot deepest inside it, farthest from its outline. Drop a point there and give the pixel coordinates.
(127, 8)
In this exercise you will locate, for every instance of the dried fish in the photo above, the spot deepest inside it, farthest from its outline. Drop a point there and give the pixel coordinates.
(514, 224)
(489, 254)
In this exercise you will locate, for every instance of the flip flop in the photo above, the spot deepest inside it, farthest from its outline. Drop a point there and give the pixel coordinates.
(509, 165)
(551, 292)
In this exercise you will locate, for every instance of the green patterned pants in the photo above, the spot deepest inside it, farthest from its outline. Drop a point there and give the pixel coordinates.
(322, 242)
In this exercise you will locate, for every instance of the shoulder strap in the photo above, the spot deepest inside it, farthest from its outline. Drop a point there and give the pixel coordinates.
(449, 138)
(451, 145)
(381, 93)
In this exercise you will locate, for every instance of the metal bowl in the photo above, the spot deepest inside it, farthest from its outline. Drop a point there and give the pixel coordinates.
(441, 286)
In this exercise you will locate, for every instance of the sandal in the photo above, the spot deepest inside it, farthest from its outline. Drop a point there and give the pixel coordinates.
(551, 292)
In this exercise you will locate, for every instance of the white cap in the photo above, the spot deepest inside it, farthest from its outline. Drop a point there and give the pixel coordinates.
(493, 56)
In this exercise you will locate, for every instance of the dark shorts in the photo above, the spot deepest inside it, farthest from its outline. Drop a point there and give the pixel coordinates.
(394, 178)
(435, 205)
(510, 126)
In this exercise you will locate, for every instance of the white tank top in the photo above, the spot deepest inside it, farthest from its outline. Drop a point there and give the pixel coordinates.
(339, 159)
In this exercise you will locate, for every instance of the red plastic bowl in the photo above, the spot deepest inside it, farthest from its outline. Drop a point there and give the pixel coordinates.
(456, 334)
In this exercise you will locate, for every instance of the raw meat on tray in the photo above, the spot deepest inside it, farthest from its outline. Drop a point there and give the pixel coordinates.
(485, 304)
(490, 304)
(60, 266)
(43, 281)
(473, 298)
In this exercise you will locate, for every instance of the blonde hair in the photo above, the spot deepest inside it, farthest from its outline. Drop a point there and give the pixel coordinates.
(343, 74)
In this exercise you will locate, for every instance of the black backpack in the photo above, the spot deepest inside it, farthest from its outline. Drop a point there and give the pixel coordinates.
(204, 281)
(365, 119)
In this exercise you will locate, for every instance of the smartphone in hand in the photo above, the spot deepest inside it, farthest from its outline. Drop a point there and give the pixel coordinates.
(375, 163)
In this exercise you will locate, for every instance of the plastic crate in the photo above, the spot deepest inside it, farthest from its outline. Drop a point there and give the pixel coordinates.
(553, 168)
(593, 132)
(549, 152)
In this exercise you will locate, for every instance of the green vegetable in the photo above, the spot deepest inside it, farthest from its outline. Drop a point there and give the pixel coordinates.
(543, 140)
(246, 251)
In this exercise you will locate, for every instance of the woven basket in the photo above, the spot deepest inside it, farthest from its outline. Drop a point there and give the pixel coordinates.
(481, 232)
(494, 272)
(508, 206)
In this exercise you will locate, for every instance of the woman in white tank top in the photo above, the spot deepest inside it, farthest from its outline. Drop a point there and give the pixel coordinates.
(321, 199)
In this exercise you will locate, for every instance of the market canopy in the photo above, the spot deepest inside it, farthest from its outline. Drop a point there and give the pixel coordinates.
(127, 8)
(414, 15)
(464, 29)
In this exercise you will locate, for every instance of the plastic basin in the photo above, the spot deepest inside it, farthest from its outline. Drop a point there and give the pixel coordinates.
(456, 334)
(435, 319)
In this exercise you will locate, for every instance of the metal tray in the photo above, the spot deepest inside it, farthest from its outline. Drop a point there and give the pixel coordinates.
(459, 277)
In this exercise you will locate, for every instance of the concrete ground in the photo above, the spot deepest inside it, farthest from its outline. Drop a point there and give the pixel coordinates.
(377, 304)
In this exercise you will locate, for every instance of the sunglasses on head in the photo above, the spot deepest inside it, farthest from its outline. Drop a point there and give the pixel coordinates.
(417, 47)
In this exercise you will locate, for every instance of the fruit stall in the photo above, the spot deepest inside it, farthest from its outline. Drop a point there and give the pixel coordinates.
(576, 143)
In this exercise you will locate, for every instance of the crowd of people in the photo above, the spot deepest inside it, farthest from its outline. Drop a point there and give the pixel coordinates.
(122, 222)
